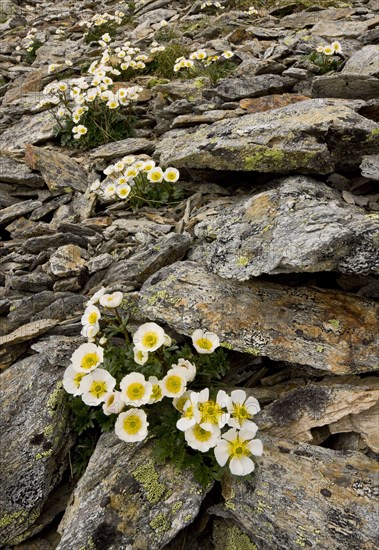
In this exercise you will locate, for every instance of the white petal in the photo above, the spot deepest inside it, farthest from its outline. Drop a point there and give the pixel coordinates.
(250, 427)
(223, 398)
(238, 396)
(252, 405)
(255, 447)
(221, 453)
(230, 435)
(241, 466)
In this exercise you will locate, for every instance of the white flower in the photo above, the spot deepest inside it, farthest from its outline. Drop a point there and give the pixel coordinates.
(90, 331)
(336, 46)
(81, 130)
(106, 37)
(328, 50)
(109, 170)
(110, 190)
(174, 383)
(148, 165)
(123, 191)
(87, 357)
(171, 175)
(205, 342)
(156, 391)
(96, 387)
(149, 337)
(189, 369)
(68, 62)
(227, 54)
(200, 439)
(111, 300)
(242, 409)
(91, 315)
(129, 160)
(131, 426)
(72, 380)
(201, 54)
(179, 402)
(140, 356)
(163, 23)
(112, 104)
(113, 404)
(155, 174)
(95, 185)
(52, 67)
(320, 49)
(190, 413)
(135, 390)
(213, 412)
(96, 297)
(131, 172)
(238, 447)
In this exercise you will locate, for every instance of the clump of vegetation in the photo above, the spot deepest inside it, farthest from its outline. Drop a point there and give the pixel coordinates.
(200, 63)
(101, 24)
(31, 44)
(195, 424)
(326, 57)
(139, 183)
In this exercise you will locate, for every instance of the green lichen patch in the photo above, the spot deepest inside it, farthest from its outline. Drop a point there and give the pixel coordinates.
(228, 536)
(149, 479)
(160, 524)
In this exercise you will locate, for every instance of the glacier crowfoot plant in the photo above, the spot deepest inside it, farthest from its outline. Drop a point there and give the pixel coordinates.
(114, 383)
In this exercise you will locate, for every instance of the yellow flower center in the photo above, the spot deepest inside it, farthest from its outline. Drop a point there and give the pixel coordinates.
(98, 388)
(210, 412)
(174, 384)
(110, 400)
(92, 318)
(181, 402)
(78, 378)
(170, 176)
(89, 360)
(135, 390)
(188, 413)
(240, 412)
(238, 448)
(204, 343)
(201, 434)
(156, 176)
(132, 424)
(150, 339)
(156, 392)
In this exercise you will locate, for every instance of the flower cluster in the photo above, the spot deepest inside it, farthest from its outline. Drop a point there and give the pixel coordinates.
(210, 4)
(89, 100)
(330, 49)
(252, 11)
(327, 58)
(199, 60)
(138, 181)
(219, 424)
(102, 19)
(122, 58)
(31, 44)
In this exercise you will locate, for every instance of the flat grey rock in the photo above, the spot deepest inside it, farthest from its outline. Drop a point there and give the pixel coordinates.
(36, 438)
(364, 62)
(31, 129)
(232, 89)
(125, 500)
(346, 86)
(315, 136)
(267, 319)
(297, 225)
(277, 508)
